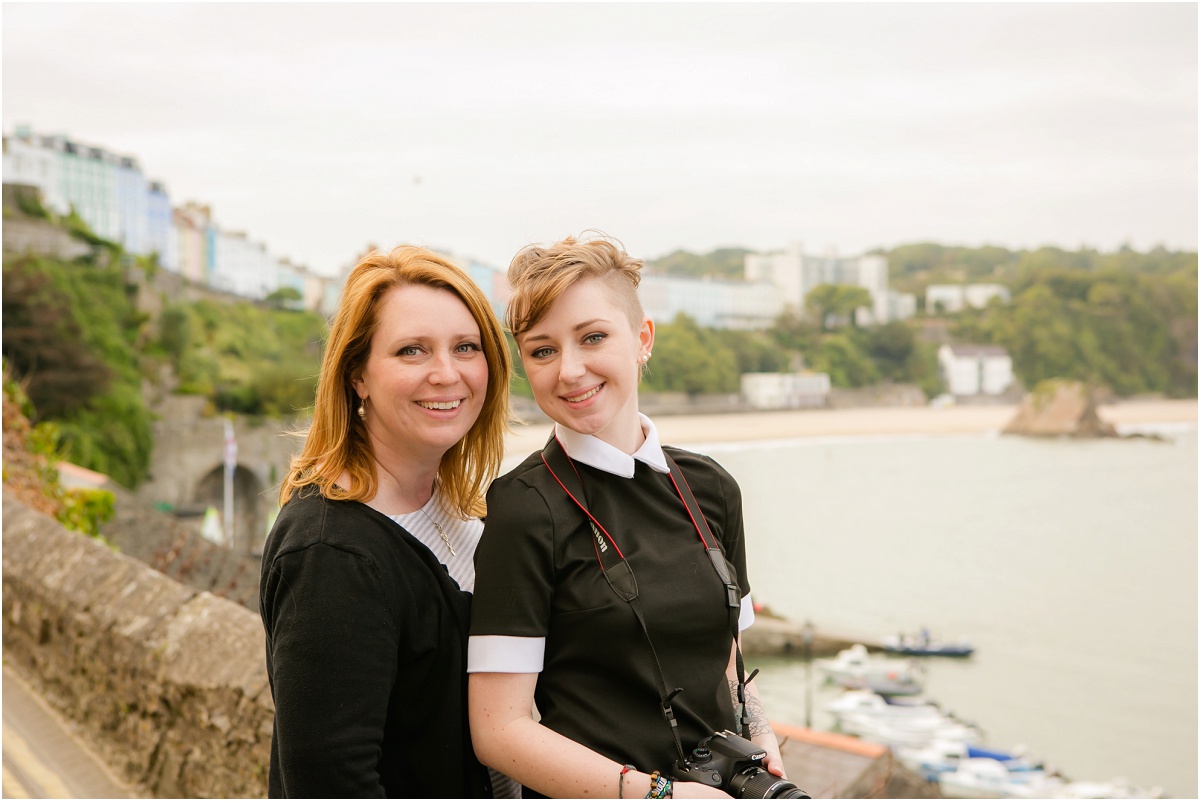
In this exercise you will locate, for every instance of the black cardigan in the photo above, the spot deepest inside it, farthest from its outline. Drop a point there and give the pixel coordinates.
(366, 655)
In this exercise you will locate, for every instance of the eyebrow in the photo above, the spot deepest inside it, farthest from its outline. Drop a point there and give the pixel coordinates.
(584, 324)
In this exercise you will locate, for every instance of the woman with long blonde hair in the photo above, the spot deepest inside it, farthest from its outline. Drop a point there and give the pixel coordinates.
(367, 572)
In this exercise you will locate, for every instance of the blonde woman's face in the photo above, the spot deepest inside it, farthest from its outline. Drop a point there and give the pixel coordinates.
(583, 362)
(426, 378)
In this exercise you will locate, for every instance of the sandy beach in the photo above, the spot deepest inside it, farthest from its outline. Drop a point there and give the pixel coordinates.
(682, 430)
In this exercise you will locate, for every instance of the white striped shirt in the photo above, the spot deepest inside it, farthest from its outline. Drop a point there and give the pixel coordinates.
(463, 535)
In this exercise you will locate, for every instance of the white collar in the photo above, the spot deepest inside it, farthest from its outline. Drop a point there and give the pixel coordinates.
(599, 454)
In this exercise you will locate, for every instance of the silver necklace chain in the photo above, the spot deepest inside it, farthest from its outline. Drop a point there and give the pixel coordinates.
(440, 531)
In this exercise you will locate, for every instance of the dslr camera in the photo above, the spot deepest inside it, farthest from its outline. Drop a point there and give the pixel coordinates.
(735, 765)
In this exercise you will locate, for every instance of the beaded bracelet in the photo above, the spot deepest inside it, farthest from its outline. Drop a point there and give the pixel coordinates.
(660, 786)
(621, 780)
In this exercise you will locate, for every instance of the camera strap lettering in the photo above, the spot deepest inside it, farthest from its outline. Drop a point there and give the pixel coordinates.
(619, 575)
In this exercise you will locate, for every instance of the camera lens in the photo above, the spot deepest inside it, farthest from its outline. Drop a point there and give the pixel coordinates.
(761, 784)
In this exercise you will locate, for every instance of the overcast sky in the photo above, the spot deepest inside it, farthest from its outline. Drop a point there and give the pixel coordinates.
(478, 128)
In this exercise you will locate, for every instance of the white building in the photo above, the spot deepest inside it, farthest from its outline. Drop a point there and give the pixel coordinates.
(243, 266)
(953, 298)
(795, 273)
(107, 191)
(29, 163)
(713, 303)
(975, 369)
(785, 390)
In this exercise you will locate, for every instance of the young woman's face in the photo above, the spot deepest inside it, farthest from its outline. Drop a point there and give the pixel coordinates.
(583, 362)
(426, 377)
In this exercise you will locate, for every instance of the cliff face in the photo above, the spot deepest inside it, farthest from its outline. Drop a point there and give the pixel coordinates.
(1059, 408)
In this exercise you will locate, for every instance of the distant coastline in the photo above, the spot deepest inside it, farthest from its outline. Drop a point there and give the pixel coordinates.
(875, 421)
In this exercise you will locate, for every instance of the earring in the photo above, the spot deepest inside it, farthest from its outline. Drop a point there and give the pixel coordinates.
(362, 409)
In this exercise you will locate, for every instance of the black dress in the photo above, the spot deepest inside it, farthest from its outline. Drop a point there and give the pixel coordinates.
(366, 644)
(537, 576)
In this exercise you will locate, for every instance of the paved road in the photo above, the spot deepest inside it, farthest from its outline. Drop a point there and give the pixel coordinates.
(42, 758)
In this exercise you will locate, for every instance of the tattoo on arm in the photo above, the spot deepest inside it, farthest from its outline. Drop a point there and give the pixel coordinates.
(756, 715)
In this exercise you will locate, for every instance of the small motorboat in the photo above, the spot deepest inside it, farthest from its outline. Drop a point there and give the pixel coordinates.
(922, 644)
(854, 669)
(943, 756)
(916, 733)
(872, 703)
(980, 777)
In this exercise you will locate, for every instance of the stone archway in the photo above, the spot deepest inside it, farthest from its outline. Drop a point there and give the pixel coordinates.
(249, 519)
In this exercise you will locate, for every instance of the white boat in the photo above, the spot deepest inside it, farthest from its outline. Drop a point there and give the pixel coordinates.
(943, 756)
(988, 778)
(872, 703)
(917, 732)
(898, 723)
(855, 669)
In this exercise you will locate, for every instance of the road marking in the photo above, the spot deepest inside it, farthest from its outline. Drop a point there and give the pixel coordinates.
(12, 787)
(26, 762)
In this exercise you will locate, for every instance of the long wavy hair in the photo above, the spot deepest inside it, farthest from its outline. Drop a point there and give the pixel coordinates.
(337, 443)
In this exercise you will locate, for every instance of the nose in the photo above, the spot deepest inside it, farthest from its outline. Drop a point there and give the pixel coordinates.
(570, 366)
(443, 368)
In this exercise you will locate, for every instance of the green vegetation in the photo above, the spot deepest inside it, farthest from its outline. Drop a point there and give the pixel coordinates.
(720, 263)
(73, 334)
(247, 359)
(836, 300)
(1132, 331)
(1123, 319)
(31, 455)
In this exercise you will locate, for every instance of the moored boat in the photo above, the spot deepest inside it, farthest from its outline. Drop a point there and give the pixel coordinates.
(922, 644)
(854, 669)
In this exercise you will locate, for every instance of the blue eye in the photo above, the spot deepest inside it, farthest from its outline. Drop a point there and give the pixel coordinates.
(410, 350)
(541, 353)
(468, 347)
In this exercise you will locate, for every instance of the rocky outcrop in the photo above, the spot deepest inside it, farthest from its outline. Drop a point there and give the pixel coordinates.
(1059, 408)
(168, 683)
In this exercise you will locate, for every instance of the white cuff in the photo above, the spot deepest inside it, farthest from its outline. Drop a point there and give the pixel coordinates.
(746, 616)
(495, 653)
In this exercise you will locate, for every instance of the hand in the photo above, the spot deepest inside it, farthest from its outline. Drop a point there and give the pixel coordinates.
(774, 763)
(696, 790)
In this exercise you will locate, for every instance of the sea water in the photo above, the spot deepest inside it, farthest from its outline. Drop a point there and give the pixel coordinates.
(1070, 565)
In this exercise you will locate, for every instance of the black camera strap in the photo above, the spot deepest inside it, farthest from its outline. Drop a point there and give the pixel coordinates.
(619, 575)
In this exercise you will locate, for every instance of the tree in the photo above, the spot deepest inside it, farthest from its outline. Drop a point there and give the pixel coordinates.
(720, 263)
(284, 297)
(840, 300)
(846, 362)
(691, 359)
(754, 351)
(891, 346)
(44, 342)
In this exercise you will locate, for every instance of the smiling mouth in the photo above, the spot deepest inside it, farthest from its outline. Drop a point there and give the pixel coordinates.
(581, 398)
(440, 405)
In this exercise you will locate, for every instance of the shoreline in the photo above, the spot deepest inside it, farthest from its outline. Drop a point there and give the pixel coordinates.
(873, 421)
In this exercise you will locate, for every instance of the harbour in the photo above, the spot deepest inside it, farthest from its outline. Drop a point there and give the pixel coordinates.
(1070, 564)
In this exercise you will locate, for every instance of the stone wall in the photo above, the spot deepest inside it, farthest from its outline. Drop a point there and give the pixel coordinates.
(168, 683)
